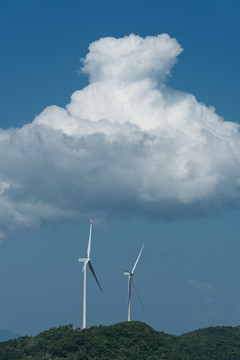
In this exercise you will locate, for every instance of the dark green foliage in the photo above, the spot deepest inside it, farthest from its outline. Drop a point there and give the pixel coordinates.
(125, 341)
(220, 343)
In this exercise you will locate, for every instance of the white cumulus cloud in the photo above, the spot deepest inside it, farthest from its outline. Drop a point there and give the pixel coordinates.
(126, 144)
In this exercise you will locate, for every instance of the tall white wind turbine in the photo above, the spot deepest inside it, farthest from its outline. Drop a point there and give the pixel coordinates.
(131, 279)
(87, 261)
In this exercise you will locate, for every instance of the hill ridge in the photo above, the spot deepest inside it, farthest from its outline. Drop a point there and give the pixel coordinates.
(125, 340)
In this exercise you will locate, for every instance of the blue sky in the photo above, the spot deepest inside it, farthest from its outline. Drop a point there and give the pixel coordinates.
(188, 274)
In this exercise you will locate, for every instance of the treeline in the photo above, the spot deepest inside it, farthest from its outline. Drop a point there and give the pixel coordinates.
(124, 341)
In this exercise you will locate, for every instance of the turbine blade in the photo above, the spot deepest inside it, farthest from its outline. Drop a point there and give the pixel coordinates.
(134, 283)
(137, 259)
(89, 240)
(91, 268)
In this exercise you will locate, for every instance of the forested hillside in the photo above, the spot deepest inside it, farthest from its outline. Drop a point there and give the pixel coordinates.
(129, 340)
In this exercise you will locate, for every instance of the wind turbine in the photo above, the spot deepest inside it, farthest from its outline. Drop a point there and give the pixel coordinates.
(131, 279)
(87, 261)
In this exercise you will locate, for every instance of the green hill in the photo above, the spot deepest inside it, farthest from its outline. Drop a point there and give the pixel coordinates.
(129, 340)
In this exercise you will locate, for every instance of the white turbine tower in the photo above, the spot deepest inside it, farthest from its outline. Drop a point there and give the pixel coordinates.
(131, 279)
(87, 261)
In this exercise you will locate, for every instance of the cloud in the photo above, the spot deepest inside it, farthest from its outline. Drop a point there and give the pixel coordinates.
(131, 58)
(125, 145)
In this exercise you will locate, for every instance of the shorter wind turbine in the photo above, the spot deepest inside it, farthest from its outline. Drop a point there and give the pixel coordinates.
(87, 261)
(131, 279)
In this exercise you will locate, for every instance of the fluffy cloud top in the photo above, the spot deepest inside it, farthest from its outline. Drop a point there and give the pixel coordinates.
(125, 145)
(131, 58)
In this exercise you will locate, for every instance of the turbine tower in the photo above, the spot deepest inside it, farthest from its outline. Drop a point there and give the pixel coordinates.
(131, 279)
(87, 261)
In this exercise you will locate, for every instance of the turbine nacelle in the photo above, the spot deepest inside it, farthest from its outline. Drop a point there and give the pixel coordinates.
(83, 260)
(127, 273)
